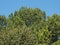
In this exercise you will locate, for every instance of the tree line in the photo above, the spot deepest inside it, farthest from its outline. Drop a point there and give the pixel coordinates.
(30, 26)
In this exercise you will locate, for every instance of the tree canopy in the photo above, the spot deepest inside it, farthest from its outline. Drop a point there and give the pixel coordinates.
(29, 26)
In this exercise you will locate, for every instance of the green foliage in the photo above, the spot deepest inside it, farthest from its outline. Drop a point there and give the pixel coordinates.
(22, 36)
(54, 26)
(44, 36)
(29, 26)
(56, 43)
(3, 22)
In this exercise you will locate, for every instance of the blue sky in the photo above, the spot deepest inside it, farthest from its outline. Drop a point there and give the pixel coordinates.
(49, 6)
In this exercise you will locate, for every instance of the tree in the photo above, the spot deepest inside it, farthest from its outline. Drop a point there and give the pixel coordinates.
(54, 26)
(29, 26)
(3, 22)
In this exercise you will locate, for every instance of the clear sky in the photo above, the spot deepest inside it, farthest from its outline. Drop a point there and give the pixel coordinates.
(49, 6)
